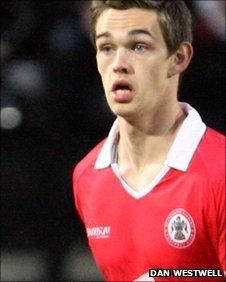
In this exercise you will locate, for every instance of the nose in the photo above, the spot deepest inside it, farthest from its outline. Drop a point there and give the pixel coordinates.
(122, 63)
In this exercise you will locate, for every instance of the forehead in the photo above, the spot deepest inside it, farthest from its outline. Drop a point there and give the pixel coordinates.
(113, 20)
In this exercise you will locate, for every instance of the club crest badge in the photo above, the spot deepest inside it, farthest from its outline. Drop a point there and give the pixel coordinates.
(179, 229)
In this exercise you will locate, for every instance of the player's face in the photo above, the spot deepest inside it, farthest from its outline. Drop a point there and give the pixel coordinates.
(132, 60)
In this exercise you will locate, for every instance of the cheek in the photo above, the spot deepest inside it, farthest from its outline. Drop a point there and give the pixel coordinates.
(103, 68)
(157, 72)
(102, 62)
(99, 65)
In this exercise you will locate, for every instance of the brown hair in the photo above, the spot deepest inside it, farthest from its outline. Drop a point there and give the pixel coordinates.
(174, 18)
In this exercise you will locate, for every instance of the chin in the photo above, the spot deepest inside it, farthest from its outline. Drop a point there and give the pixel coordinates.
(123, 110)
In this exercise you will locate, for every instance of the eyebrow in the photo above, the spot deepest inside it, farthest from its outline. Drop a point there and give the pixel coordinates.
(104, 34)
(141, 31)
(131, 33)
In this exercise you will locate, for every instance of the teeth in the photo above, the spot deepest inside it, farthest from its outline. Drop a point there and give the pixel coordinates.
(122, 91)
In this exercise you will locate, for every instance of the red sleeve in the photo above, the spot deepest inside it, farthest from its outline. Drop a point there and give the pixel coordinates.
(75, 192)
(221, 226)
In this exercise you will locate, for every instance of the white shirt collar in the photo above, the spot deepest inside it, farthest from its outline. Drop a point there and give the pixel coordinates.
(181, 151)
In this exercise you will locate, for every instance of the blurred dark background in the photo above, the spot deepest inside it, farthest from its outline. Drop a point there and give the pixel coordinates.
(53, 112)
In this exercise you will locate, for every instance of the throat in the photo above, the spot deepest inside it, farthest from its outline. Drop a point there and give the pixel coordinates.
(139, 149)
(137, 173)
(141, 155)
(140, 180)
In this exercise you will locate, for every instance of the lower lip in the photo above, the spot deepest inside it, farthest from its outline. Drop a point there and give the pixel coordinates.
(123, 96)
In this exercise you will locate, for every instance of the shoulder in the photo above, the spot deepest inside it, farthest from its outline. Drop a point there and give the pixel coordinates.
(88, 161)
(214, 142)
(210, 155)
(215, 137)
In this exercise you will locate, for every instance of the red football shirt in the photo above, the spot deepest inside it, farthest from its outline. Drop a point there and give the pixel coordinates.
(177, 222)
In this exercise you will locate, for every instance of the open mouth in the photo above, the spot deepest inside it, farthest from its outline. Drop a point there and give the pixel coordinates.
(123, 91)
(121, 85)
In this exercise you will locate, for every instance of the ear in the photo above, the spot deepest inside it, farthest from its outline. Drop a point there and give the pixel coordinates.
(180, 59)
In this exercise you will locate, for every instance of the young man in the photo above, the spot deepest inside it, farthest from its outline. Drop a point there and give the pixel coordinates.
(151, 195)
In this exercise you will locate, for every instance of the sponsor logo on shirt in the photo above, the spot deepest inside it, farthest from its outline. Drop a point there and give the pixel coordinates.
(98, 232)
(179, 229)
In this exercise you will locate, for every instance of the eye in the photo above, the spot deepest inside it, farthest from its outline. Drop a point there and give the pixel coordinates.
(140, 48)
(107, 48)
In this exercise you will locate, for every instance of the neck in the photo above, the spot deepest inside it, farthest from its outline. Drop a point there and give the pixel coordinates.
(148, 140)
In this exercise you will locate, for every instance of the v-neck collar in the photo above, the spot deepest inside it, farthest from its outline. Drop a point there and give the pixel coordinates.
(178, 157)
